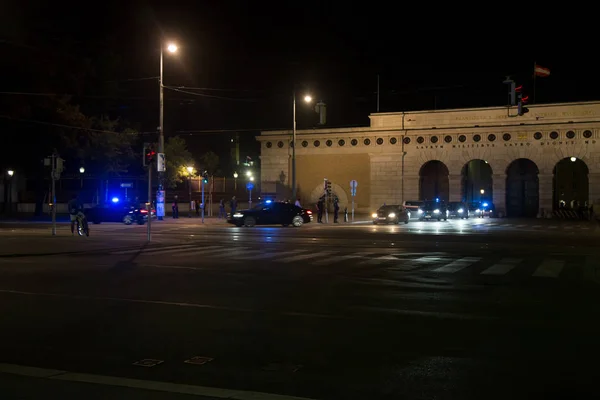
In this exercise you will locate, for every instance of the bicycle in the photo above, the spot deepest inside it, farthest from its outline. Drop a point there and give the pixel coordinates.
(82, 225)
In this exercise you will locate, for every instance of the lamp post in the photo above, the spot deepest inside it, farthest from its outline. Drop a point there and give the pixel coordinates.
(481, 192)
(160, 209)
(190, 170)
(81, 172)
(10, 174)
(235, 176)
(307, 99)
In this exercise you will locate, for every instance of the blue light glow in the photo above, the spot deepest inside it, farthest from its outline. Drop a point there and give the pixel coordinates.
(268, 201)
(485, 204)
(115, 199)
(437, 199)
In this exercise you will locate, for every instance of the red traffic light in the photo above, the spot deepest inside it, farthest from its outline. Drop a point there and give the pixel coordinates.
(519, 88)
(525, 99)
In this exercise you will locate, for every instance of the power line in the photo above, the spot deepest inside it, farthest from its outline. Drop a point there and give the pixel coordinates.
(215, 89)
(63, 125)
(210, 95)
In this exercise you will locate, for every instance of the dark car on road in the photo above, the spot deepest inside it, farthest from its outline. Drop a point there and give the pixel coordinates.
(458, 209)
(272, 213)
(433, 210)
(127, 213)
(392, 214)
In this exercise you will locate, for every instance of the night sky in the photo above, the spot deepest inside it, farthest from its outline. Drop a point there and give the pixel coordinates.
(248, 56)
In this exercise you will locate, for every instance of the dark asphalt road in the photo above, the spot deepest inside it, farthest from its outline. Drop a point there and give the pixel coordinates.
(476, 310)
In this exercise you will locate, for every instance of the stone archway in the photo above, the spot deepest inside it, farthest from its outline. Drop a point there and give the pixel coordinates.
(570, 183)
(433, 181)
(477, 184)
(522, 188)
(336, 190)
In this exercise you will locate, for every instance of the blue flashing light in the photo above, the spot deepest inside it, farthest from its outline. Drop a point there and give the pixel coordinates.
(115, 199)
(269, 201)
(437, 199)
(485, 204)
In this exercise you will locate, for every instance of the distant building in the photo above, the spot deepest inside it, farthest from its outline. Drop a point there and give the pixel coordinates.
(523, 164)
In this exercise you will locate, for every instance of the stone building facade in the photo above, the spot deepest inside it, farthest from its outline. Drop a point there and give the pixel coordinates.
(524, 164)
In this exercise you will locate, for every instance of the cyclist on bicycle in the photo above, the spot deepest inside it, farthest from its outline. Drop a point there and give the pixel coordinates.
(75, 210)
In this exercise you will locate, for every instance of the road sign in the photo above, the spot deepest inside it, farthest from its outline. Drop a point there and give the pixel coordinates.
(161, 162)
(127, 185)
(353, 185)
(249, 185)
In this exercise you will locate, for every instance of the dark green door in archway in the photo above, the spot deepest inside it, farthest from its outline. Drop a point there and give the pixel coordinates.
(522, 189)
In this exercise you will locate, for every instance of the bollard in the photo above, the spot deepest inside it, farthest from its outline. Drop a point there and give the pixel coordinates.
(345, 214)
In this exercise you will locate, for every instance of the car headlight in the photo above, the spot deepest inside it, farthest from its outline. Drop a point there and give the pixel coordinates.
(460, 210)
(478, 210)
(238, 215)
(420, 211)
(436, 211)
(391, 215)
(374, 215)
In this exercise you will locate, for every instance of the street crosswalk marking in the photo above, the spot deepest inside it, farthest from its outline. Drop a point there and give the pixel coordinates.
(208, 250)
(427, 260)
(337, 259)
(158, 250)
(378, 260)
(264, 256)
(305, 256)
(550, 268)
(457, 265)
(501, 268)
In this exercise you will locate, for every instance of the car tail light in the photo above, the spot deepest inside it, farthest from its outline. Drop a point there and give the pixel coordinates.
(309, 212)
(144, 211)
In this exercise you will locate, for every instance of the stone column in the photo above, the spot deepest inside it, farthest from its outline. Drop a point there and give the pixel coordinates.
(455, 182)
(499, 193)
(411, 188)
(545, 192)
(594, 188)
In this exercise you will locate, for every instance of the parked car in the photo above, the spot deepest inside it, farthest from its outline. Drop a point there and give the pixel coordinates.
(433, 210)
(391, 214)
(458, 209)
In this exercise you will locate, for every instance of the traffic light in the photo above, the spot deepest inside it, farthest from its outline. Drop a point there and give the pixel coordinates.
(205, 177)
(328, 187)
(521, 101)
(149, 154)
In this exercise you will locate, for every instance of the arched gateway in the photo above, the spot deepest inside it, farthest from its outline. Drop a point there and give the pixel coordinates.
(523, 164)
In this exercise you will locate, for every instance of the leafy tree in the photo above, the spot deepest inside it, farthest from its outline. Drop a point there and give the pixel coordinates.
(178, 158)
(210, 162)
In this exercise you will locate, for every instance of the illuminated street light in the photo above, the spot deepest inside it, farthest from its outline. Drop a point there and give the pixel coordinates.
(251, 178)
(10, 172)
(190, 169)
(482, 191)
(307, 99)
(573, 159)
(235, 175)
(172, 47)
(81, 170)
(248, 173)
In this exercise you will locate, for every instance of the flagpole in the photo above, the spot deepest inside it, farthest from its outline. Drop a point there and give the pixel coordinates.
(534, 65)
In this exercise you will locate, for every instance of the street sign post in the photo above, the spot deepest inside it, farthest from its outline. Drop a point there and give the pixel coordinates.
(353, 185)
(249, 186)
(161, 162)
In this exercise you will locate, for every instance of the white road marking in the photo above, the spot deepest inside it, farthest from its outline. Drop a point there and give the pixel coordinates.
(206, 251)
(141, 384)
(269, 255)
(501, 268)
(457, 265)
(154, 249)
(377, 260)
(305, 256)
(549, 268)
(337, 259)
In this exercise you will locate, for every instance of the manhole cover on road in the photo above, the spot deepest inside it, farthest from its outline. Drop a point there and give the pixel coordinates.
(278, 367)
(198, 360)
(147, 362)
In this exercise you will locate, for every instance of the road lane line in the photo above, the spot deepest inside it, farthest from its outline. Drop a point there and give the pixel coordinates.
(157, 386)
(305, 256)
(153, 250)
(337, 259)
(269, 255)
(550, 268)
(457, 265)
(501, 268)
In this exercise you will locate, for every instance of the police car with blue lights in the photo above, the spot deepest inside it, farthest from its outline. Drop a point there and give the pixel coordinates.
(126, 212)
(270, 212)
(433, 210)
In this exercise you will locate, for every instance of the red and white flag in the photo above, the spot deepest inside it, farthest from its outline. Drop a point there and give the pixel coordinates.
(541, 71)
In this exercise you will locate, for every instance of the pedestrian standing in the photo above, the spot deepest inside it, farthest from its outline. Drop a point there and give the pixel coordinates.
(175, 207)
(222, 209)
(336, 210)
(320, 206)
(233, 205)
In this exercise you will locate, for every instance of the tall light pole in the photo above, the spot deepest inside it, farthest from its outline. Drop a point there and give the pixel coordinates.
(171, 48)
(235, 176)
(307, 99)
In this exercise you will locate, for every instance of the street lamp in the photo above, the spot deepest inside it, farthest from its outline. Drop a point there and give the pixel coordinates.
(160, 211)
(235, 176)
(81, 170)
(307, 99)
(10, 172)
(251, 178)
(482, 191)
(190, 170)
(573, 159)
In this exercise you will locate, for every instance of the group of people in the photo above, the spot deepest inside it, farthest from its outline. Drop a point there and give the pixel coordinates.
(321, 206)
